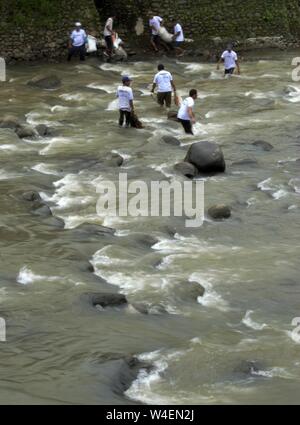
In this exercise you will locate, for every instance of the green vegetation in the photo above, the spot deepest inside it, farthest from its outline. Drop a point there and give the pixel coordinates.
(20, 13)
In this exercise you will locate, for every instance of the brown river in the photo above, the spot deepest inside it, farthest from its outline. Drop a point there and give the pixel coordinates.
(234, 344)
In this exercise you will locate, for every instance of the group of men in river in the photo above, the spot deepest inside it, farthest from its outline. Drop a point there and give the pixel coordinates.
(163, 80)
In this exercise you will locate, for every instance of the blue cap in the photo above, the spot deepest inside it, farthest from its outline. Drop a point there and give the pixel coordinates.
(126, 78)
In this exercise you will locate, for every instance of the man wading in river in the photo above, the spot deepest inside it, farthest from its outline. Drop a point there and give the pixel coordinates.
(163, 80)
(78, 39)
(186, 112)
(125, 96)
(230, 59)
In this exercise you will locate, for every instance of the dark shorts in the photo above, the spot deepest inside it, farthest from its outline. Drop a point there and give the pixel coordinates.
(229, 71)
(155, 39)
(187, 125)
(109, 42)
(178, 43)
(165, 98)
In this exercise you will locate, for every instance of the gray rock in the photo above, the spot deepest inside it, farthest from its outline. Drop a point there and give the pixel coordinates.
(31, 196)
(248, 368)
(50, 82)
(186, 169)
(108, 300)
(10, 121)
(43, 130)
(93, 229)
(191, 290)
(114, 160)
(219, 212)
(128, 371)
(207, 157)
(170, 140)
(43, 211)
(267, 147)
(55, 222)
(246, 161)
(24, 131)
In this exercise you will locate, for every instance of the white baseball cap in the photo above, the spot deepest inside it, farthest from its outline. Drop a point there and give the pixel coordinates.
(78, 24)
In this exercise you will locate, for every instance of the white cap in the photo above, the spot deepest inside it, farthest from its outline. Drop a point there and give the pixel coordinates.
(78, 24)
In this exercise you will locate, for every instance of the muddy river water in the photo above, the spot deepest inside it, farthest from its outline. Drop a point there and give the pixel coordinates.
(236, 343)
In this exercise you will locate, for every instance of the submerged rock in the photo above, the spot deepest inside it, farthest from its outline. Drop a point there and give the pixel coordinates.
(10, 121)
(263, 145)
(128, 372)
(108, 300)
(172, 115)
(43, 211)
(93, 229)
(190, 290)
(186, 169)
(44, 131)
(155, 309)
(23, 131)
(31, 196)
(248, 368)
(207, 157)
(114, 160)
(49, 82)
(219, 212)
(170, 140)
(246, 161)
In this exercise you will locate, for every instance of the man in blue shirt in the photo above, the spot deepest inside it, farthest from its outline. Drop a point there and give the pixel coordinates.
(78, 40)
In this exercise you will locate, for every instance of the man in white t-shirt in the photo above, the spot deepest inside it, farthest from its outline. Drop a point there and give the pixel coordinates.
(108, 35)
(163, 80)
(155, 22)
(78, 40)
(178, 38)
(125, 96)
(230, 59)
(186, 112)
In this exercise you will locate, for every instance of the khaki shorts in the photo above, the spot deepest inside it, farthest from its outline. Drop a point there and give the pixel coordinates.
(165, 98)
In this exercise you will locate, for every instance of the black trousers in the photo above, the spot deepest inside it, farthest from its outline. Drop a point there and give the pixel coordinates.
(187, 125)
(77, 50)
(124, 114)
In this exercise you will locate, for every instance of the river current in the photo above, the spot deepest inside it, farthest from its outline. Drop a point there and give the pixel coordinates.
(236, 343)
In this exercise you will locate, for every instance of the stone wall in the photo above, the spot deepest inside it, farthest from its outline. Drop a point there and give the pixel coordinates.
(213, 18)
(39, 29)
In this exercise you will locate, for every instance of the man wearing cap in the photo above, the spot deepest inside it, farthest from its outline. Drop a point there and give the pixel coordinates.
(230, 59)
(78, 39)
(125, 96)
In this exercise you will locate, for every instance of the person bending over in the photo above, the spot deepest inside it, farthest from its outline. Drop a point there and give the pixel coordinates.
(186, 112)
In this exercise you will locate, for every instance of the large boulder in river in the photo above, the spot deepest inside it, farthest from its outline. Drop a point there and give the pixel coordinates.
(25, 131)
(49, 82)
(207, 157)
